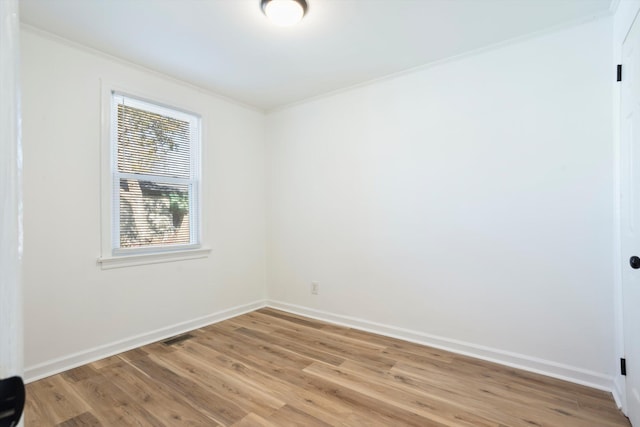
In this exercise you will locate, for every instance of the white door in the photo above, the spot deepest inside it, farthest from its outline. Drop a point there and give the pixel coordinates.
(630, 215)
(10, 239)
(10, 216)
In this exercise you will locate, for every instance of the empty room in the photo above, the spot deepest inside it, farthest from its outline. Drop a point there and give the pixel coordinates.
(319, 213)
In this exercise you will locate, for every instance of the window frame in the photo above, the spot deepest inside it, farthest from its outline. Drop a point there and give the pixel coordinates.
(112, 255)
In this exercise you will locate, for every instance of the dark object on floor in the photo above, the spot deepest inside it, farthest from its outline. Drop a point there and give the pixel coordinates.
(11, 401)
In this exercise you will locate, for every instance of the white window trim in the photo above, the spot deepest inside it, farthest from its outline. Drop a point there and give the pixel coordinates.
(130, 260)
(116, 258)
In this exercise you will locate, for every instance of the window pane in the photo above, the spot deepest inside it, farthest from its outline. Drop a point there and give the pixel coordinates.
(153, 213)
(156, 175)
(150, 143)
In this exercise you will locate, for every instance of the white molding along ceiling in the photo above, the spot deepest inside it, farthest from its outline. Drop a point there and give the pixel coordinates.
(229, 47)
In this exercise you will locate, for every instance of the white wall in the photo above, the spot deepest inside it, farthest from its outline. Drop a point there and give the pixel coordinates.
(468, 205)
(74, 310)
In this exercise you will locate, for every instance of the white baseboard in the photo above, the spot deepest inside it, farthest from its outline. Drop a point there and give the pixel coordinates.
(55, 366)
(520, 361)
(618, 392)
(514, 360)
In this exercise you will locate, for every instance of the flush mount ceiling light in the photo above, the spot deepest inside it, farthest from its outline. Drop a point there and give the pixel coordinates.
(284, 12)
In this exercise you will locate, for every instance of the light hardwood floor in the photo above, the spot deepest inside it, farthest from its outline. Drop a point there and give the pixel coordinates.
(270, 368)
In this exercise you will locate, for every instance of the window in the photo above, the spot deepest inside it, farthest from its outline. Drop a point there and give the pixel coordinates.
(155, 177)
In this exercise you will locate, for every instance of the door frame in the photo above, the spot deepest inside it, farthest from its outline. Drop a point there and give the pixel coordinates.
(11, 322)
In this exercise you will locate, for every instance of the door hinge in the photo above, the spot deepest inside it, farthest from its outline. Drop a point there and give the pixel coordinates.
(619, 72)
(623, 366)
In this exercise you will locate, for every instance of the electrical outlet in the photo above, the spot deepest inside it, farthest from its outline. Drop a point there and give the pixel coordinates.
(314, 288)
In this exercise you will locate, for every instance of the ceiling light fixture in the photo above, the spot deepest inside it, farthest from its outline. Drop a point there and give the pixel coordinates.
(284, 12)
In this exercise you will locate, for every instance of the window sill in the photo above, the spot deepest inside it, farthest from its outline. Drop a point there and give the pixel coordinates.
(156, 258)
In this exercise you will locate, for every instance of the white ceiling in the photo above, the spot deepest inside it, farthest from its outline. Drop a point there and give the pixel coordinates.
(229, 47)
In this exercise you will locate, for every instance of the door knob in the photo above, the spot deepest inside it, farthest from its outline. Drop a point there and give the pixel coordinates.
(634, 261)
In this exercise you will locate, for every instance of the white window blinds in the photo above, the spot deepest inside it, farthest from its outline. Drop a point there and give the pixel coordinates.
(155, 166)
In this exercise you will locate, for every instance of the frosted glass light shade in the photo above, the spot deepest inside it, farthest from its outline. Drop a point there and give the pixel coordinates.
(284, 13)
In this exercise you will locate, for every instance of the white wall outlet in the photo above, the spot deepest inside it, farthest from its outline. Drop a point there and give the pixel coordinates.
(315, 286)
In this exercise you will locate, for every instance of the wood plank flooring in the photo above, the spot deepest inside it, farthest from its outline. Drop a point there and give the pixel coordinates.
(271, 368)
